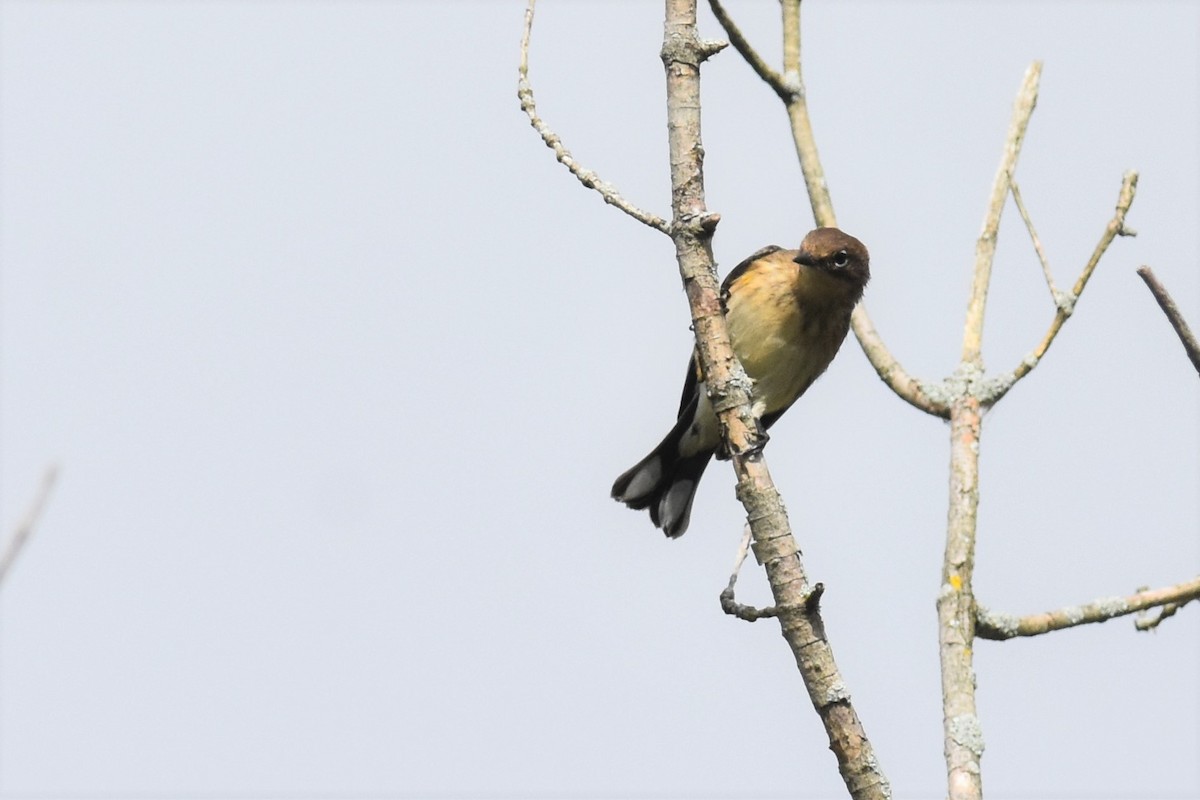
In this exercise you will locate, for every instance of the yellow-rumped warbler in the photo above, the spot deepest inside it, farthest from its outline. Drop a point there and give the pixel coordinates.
(788, 312)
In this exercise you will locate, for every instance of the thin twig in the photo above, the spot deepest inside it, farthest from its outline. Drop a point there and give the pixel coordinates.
(1037, 242)
(1167, 304)
(985, 247)
(999, 386)
(990, 625)
(751, 56)
(744, 612)
(25, 527)
(586, 176)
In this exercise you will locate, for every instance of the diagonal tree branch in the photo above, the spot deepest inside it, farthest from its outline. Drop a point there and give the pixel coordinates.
(991, 625)
(751, 56)
(1174, 316)
(773, 543)
(691, 229)
(25, 527)
(586, 176)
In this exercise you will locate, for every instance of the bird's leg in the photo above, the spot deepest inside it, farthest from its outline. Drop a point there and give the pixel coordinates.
(758, 440)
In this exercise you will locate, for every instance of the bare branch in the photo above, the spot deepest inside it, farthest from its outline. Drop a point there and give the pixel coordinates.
(1167, 304)
(790, 89)
(1000, 385)
(998, 627)
(25, 527)
(586, 176)
(774, 546)
(962, 731)
(985, 248)
(756, 62)
(1059, 299)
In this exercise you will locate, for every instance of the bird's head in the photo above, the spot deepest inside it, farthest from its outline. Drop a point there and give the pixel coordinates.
(837, 254)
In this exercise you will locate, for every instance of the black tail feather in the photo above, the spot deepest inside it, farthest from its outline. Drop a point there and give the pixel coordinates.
(665, 483)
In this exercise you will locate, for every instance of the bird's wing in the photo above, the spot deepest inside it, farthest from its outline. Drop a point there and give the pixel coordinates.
(691, 382)
(741, 268)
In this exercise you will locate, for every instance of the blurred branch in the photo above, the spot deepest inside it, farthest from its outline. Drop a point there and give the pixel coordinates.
(999, 386)
(1173, 315)
(586, 176)
(991, 625)
(25, 527)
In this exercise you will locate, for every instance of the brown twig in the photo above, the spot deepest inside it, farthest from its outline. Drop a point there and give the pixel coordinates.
(999, 386)
(25, 527)
(1169, 599)
(751, 56)
(1167, 304)
(586, 176)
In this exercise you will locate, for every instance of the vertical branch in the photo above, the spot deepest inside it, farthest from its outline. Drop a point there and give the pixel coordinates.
(985, 248)
(774, 546)
(963, 735)
(801, 123)
(962, 732)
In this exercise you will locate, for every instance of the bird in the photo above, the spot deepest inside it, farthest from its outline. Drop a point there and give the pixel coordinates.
(787, 312)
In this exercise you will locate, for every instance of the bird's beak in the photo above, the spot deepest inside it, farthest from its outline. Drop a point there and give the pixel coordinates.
(804, 258)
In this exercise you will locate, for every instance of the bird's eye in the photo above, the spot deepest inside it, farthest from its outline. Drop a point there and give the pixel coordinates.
(841, 258)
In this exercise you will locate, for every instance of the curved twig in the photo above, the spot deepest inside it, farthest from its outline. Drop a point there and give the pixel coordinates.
(586, 176)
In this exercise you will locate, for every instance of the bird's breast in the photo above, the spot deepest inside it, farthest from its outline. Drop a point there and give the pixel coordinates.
(786, 326)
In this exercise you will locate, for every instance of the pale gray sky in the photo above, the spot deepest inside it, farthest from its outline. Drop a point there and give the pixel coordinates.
(339, 366)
